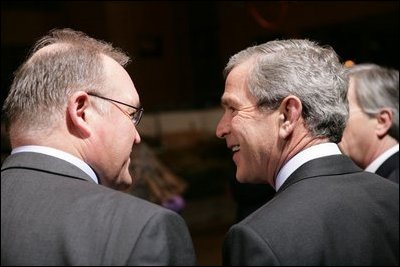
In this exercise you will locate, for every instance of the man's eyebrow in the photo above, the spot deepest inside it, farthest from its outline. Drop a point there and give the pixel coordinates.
(228, 101)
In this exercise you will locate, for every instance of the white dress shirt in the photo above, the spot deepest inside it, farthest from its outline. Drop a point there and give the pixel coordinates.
(313, 152)
(61, 155)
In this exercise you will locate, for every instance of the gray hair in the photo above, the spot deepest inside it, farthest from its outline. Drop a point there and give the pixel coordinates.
(377, 87)
(301, 68)
(59, 64)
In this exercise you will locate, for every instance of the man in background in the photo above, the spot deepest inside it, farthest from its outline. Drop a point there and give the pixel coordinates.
(371, 136)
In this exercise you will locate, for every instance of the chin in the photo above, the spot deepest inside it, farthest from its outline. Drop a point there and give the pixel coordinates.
(126, 181)
(250, 179)
(122, 185)
(123, 182)
(241, 178)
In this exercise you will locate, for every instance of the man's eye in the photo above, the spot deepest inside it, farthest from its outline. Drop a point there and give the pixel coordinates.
(232, 109)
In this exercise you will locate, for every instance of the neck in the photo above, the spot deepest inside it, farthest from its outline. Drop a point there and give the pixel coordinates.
(55, 139)
(297, 143)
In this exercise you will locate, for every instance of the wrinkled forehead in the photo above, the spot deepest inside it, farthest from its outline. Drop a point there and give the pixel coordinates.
(236, 86)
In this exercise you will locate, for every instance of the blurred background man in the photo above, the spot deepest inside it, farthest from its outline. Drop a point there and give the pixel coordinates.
(371, 137)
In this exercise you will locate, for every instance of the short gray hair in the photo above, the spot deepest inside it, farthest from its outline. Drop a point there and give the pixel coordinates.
(377, 87)
(306, 70)
(60, 63)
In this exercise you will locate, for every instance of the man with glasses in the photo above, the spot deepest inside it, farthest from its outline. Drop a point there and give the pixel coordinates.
(135, 115)
(72, 113)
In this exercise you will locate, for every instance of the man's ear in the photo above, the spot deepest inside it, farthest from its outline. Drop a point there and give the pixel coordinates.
(77, 112)
(385, 121)
(289, 114)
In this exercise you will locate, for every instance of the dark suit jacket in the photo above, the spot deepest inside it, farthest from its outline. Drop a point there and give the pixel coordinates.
(328, 212)
(52, 213)
(390, 168)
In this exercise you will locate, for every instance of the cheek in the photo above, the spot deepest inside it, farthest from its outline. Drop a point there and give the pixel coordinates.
(118, 137)
(346, 139)
(350, 140)
(105, 137)
(356, 137)
(355, 130)
(256, 143)
(123, 142)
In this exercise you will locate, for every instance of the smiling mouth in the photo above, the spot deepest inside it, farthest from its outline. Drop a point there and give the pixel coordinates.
(235, 148)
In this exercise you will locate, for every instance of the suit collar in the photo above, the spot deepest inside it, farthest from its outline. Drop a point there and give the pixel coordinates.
(50, 151)
(45, 163)
(380, 159)
(310, 153)
(324, 166)
(389, 165)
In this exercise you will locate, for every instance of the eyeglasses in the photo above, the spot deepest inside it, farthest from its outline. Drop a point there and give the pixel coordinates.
(134, 116)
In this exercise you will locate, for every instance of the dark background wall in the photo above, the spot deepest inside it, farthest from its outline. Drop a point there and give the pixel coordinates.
(180, 47)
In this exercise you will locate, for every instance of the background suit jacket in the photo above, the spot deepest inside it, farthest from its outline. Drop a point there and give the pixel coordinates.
(52, 213)
(390, 168)
(328, 212)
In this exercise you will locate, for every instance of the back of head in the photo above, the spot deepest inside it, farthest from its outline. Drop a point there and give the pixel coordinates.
(306, 70)
(377, 87)
(60, 63)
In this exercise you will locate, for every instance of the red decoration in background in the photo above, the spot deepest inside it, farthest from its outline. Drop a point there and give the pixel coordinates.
(269, 24)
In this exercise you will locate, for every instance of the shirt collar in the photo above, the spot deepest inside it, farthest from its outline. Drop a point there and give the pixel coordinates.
(61, 155)
(313, 152)
(375, 164)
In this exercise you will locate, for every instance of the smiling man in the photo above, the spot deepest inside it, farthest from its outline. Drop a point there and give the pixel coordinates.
(285, 110)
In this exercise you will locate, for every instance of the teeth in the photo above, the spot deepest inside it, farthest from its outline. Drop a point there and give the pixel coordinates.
(235, 148)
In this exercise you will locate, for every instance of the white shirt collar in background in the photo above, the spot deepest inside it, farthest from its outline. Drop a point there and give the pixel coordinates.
(374, 165)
